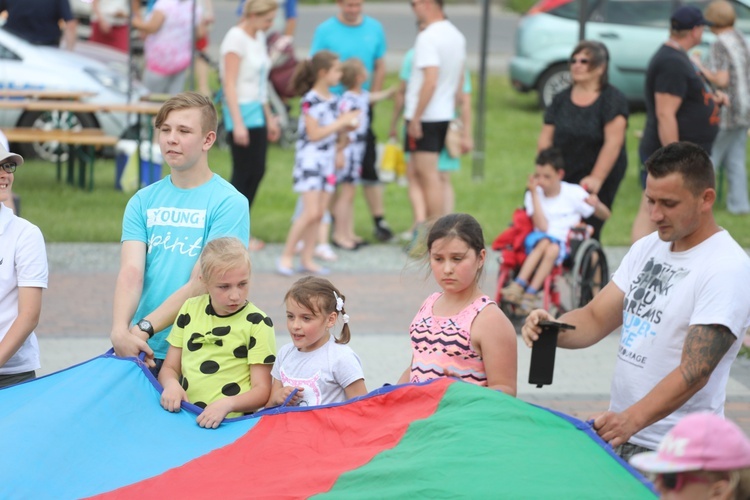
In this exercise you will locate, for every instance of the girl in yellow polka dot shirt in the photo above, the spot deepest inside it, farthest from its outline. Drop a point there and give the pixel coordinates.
(221, 347)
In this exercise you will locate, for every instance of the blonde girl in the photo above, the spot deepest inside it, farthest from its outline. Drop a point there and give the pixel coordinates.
(221, 347)
(321, 367)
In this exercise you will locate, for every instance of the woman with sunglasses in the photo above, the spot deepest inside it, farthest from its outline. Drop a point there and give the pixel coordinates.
(587, 122)
(704, 456)
(23, 276)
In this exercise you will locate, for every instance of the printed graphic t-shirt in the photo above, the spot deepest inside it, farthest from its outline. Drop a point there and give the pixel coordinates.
(174, 224)
(665, 293)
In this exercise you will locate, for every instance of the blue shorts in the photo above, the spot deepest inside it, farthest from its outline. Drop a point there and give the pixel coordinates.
(535, 237)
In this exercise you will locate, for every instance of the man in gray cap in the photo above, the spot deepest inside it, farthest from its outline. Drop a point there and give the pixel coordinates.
(680, 103)
(23, 276)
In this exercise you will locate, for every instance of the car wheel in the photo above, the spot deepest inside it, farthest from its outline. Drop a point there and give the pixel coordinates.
(552, 81)
(52, 120)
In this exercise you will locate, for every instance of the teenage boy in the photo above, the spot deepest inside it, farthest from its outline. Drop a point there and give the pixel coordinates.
(555, 207)
(165, 227)
(23, 277)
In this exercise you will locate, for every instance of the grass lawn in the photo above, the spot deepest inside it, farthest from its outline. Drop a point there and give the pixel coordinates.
(65, 213)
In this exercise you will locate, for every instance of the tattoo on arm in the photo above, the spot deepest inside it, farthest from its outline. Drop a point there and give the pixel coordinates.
(704, 347)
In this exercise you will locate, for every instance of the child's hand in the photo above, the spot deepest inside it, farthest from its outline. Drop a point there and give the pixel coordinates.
(172, 396)
(215, 413)
(295, 399)
(350, 119)
(592, 199)
(531, 184)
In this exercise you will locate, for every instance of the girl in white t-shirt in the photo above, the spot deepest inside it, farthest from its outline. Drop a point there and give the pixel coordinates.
(353, 76)
(248, 119)
(321, 367)
(321, 133)
(555, 207)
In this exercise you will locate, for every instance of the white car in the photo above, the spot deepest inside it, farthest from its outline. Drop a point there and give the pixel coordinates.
(102, 71)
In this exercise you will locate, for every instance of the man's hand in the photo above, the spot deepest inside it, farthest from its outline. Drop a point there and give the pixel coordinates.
(615, 428)
(415, 129)
(591, 184)
(531, 329)
(130, 343)
(215, 413)
(172, 396)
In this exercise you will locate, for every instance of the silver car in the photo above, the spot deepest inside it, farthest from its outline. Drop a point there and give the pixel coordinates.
(27, 66)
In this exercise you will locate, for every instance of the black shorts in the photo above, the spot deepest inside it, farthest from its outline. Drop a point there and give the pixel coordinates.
(433, 138)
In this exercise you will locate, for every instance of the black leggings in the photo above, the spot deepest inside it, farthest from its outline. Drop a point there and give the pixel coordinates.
(249, 162)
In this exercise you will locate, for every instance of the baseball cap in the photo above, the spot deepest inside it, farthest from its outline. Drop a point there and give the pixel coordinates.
(6, 156)
(700, 441)
(687, 17)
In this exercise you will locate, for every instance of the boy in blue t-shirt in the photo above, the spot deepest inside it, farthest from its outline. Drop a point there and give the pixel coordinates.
(165, 227)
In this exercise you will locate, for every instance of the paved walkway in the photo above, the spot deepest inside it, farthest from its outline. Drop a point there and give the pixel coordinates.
(383, 289)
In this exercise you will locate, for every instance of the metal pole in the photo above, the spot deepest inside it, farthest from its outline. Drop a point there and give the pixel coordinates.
(582, 18)
(477, 170)
(191, 73)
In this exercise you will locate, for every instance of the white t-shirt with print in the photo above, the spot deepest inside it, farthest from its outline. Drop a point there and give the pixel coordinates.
(23, 263)
(324, 373)
(665, 293)
(441, 44)
(563, 211)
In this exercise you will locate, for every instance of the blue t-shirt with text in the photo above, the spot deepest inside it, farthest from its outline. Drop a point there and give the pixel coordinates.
(174, 224)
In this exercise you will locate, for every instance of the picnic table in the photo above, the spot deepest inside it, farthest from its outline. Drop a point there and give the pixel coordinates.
(84, 142)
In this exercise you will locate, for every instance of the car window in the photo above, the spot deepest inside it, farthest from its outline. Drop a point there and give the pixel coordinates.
(651, 13)
(8, 55)
(572, 10)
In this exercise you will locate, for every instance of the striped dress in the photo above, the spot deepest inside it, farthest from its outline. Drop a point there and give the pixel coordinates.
(440, 343)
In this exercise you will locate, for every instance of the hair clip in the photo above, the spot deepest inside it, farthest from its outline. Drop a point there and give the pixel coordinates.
(339, 302)
(346, 318)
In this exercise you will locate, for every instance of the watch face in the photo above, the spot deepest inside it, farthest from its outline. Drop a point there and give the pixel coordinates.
(145, 325)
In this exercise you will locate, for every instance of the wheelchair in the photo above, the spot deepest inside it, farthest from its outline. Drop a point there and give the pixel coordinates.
(570, 285)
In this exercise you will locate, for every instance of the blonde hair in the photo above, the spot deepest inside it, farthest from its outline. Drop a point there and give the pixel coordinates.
(720, 13)
(350, 71)
(189, 100)
(258, 7)
(307, 71)
(319, 296)
(221, 255)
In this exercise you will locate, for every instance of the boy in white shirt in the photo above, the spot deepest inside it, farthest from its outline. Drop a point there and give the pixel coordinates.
(555, 207)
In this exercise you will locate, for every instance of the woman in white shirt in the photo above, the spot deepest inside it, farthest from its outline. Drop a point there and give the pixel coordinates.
(247, 116)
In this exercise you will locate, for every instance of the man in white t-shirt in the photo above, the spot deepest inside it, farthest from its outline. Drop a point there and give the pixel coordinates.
(23, 276)
(680, 296)
(434, 83)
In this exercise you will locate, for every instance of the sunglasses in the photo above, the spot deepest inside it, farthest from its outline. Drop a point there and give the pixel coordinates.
(581, 60)
(9, 167)
(675, 481)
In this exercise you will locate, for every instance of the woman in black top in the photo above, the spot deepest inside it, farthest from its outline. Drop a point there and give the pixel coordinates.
(587, 122)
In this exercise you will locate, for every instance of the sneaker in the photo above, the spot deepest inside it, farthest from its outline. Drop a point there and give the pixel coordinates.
(325, 252)
(512, 293)
(383, 231)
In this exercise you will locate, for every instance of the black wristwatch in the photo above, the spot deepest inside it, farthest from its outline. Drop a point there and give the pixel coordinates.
(145, 326)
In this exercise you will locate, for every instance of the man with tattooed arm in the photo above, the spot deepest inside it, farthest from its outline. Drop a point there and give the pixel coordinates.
(680, 298)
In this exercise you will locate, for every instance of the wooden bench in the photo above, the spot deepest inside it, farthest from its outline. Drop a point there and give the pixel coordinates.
(83, 146)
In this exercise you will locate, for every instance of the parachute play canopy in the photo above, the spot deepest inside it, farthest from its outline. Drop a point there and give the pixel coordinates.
(97, 429)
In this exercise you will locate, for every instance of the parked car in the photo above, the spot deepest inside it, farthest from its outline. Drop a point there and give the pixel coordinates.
(27, 66)
(632, 30)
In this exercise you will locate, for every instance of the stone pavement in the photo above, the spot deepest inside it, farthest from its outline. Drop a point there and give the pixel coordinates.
(383, 292)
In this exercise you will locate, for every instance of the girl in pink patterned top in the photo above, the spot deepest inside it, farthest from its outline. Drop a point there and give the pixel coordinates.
(460, 332)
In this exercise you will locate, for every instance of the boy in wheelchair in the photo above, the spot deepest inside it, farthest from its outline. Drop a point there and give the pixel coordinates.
(555, 207)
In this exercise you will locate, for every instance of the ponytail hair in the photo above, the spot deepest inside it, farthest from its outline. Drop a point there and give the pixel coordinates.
(322, 298)
(307, 71)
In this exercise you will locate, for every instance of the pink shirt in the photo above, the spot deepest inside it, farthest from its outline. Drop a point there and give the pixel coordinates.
(440, 343)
